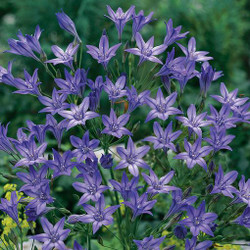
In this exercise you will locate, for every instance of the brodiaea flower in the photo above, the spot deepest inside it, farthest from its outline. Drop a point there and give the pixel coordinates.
(115, 126)
(161, 107)
(53, 236)
(191, 244)
(243, 195)
(5, 143)
(149, 243)
(198, 220)
(244, 219)
(131, 157)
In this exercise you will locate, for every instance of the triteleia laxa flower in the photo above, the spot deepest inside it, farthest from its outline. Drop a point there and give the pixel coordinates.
(107, 161)
(78, 114)
(84, 147)
(53, 236)
(98, 215)
(4, 71)
(149, 243)
(77, 246)
(161, 107)
(180, 232)
(132, 157)
(103, 54)
(5, 142)
(37, 130)
(66, 23)
(115, 126)
(194, 122)
(64, 57)
(163, 138)
(157, 185)
(223, 183)
(242, 113)
(120, 18)
(90, 167)
(147, 51)
(198, 220)
(194, 154)
(191, 244)
(244, 219)
(243, 194)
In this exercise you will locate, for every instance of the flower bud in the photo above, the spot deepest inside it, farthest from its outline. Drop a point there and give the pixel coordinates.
(106, 161)
(180, 232)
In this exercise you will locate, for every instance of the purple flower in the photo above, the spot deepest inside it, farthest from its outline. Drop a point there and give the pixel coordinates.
(4, 71)
(65, 57)
(84, 147)
(98, 84)
(135, 100)
(61, 164)
(98, 215)
(242, 113)
(77, 246)
(103, 54)
(163, 138)
(67, 24)
(139, 204)
(147, 51)
(221, 119)
(115, 126)
(156, 185)
(244, 219)
(198, 220)
(223, 183)
(191, 244)
(31, 153)
(192, 54)
(194, 122)
(229, 98)
(125, 187)
(194, 154)
(33, 179)
(32, 214)
(54, 104)
(149, 243)
(10, 207)
(132, 157)
(139, 21)
(180, 232)
(173, 34)
(107, 161)
(39, 131)
(91, 188)
(71, 84)
(115, 91)
(219, 140)
(78, 114)
(90, 167)
(5, 143)
(120, 18)
(161, 107)
(243, 195)
(53, 236)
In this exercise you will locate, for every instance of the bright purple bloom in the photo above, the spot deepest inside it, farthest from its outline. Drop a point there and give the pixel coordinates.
(10, 207)
(64, 57)
(132, 157)
(91, 188)
(61, 164)
(192, 54)
(161, 107)
(149, 243)
(54, 104)
(78, 114)
(173, 34)
(135, 100)
(223, 183)
(33, 179)
(115, 126)
(77, 246)
(139, 21)
(180, 232)
(115, 91)
(125, 187)
(139, 204)
(120, 18)
(219, 140)
(66, 23)
(157, 185)
(194, 154)
(194, 122)
(84, 147)
(71, 84)
(191, 244)
(163, 138)
(53, 236)
(39, 131)
(98, 215)
(242, 113)
(5, 143)
(198, 220)
(90, 167)
(4, 71)
(243, 195)
(98, 84)
(229, 97)
(103, 54)
(147, 51)
(244, 219)
(107, 161)
(31, 212)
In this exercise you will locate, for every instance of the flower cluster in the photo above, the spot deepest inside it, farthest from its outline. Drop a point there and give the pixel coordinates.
(133, 172)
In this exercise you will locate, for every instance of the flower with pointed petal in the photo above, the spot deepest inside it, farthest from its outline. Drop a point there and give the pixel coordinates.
(242, 113)
(244, 219)
(191, 244)
(149, 243)
(4, 71)
(5, 142)
(243, 194)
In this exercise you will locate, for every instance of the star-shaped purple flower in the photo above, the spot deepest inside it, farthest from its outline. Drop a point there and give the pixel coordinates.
(132, 157)
(4, 71)
(243, 194)
(149, 243)
(5, 142)
(244, 219)
(191, 244)
(242, 113)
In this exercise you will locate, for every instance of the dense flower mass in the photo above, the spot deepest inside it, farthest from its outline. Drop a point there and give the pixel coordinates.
(95, 127)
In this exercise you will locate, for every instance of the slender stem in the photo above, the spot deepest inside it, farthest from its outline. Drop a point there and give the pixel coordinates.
(114, 235)
(80, 59)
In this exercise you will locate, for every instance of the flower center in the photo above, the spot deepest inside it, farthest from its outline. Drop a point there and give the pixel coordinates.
(54, 237)
(92, 189)
(130, 160)
(114, 127)
(147, 52)
(98, 216)
(161, 108)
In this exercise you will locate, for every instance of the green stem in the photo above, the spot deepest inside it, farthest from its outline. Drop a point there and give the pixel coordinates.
(80, 58)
